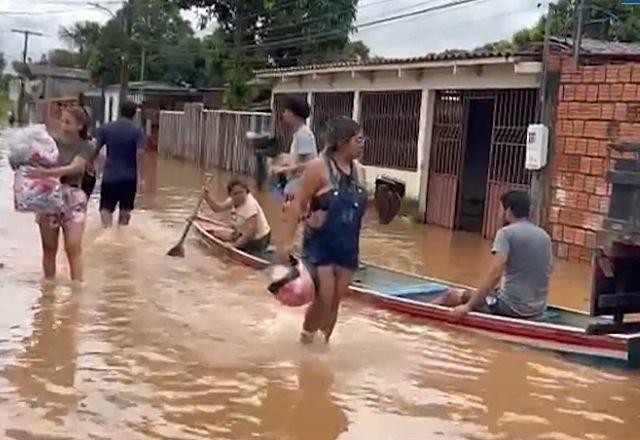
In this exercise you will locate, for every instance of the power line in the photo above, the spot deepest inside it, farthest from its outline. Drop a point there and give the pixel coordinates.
(159, 45)
(27, 33)
(334, 33)
(334, 13)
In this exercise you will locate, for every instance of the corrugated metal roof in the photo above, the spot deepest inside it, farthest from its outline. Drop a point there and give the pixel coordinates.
(590, 46)
(57, 72)
(449, 55)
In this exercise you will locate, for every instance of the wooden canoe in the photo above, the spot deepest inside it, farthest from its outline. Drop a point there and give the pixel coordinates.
(561, 330)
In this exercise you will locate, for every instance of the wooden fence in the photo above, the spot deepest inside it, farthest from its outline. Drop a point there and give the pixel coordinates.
(212, 138)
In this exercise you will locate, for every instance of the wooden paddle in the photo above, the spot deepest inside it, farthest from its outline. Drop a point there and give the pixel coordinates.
(178, 249)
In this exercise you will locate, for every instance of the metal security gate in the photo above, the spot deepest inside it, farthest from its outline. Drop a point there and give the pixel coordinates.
(391, 121)
(447, 152)
(513, 111)
(327, 106)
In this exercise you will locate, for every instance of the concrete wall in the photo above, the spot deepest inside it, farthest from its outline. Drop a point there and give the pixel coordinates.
(597, 105)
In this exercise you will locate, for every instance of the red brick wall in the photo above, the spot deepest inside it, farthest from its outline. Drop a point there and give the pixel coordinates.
(596, 105)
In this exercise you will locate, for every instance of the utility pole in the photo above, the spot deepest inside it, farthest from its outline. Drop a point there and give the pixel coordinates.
(539, 179)
(127, 17)
(127, 21)
(583, 7)
(26, 34)
(142, 63)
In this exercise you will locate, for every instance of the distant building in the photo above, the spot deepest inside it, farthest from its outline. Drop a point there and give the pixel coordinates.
(451, 125)
(45, 82)
(152, 97)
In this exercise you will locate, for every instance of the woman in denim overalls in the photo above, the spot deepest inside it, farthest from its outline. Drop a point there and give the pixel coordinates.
(332, 191)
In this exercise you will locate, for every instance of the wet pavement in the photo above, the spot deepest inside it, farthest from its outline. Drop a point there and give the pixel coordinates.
(154, 347)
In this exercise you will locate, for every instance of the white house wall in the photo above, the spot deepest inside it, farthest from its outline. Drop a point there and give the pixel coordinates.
(500, 76)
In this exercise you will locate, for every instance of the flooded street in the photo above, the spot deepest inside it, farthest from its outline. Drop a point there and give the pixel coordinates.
(194, 348)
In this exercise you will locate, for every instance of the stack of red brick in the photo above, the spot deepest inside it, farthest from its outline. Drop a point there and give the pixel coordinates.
(596, 105)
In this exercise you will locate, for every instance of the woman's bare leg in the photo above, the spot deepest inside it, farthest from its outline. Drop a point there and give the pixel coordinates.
(49, 237)
(73, 233)
(321, 305)
(343, 279)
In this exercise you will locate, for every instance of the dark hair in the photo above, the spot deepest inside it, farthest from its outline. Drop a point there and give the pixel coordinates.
(340, 130)
(81, 117)
(237, 181)
(518, 202)
(297, 106)
(128, 109)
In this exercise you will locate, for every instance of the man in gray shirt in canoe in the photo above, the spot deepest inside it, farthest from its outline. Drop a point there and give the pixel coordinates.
(522, 259)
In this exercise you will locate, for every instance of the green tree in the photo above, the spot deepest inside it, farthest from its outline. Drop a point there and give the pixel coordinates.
(4, 79)
(81, 36)
(63, 58)
(604, 20)
(257, 33)
(104, 55)
(154, 37)
(307, 31)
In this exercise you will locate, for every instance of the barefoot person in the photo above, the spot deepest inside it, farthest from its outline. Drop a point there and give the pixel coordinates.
(303, 146)
(522, 257)
(249, 230)
(125, 147)
(74, 152)
(333, 190)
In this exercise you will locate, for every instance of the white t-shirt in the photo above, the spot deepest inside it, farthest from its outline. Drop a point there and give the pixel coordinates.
(303, 143)
(250, 208)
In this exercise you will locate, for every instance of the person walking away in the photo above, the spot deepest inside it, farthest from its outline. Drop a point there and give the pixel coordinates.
(249, 230)
(522, 258)
(125, 149)
(74, 153)
(332, 189)
(303, 145)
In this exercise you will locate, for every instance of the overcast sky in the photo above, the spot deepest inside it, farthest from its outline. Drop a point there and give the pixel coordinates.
(461, 27)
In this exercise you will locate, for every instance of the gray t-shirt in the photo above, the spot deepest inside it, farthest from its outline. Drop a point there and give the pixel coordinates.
(525, 282)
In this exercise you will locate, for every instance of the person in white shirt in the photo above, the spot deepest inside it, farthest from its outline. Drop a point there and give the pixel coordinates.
(248, 230)
(303, 146)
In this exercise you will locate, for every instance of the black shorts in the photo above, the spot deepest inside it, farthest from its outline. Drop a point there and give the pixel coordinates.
(88, 183)
(118, 194)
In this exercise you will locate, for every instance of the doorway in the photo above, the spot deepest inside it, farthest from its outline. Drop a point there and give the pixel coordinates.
(475, 165)
(478, 150)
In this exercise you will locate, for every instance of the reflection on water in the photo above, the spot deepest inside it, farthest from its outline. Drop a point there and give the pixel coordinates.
(194, 348)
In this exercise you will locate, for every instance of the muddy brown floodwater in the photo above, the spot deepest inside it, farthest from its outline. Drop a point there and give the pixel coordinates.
(153, 347)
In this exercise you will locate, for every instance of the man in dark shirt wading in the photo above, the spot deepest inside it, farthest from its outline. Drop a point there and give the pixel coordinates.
(125, 143)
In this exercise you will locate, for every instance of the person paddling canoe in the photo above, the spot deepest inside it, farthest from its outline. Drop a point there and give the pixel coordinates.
(248, 230)
(333, 189)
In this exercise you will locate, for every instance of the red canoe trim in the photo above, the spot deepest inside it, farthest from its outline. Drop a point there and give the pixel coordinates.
(495, 324)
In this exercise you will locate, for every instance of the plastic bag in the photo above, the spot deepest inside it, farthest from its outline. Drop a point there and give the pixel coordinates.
(41, 195)
(32, 146)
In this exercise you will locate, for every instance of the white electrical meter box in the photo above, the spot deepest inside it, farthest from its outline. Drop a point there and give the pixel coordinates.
(537, 147)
